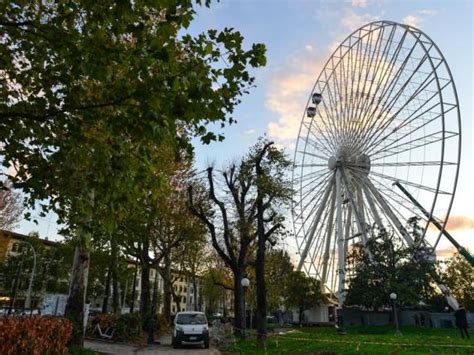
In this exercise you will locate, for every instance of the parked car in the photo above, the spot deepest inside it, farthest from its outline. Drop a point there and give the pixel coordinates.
(190, 328)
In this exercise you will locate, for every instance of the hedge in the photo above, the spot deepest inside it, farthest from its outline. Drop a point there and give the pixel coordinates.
(34, 335)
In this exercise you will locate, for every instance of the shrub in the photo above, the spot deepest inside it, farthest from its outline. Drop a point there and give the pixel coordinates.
(34, 335)
(128, 326)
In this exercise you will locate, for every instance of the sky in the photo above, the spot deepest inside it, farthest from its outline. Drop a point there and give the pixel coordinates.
(300, 36)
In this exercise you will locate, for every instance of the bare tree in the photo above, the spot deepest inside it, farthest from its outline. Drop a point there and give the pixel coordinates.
(11, 206)
(232, 233)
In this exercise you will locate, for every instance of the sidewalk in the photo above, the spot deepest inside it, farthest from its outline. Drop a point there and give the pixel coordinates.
(104, 347)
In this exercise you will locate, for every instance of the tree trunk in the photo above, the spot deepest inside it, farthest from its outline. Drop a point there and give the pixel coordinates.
(145, 290)
(105, 301)
(134, 289)
(238, 303)
(154, 301)
(77, 295)
(195, 294)
(261, 296)
(167, 288)
(114, 272)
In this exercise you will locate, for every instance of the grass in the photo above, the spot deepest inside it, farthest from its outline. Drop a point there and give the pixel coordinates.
(365, 340)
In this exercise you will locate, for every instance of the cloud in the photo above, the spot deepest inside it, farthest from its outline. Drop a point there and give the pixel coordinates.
(447, 252)
(359, 3)
(288, 92)
(428, 12)
(352, 20)
(458, 222)
(412, 20)
(250, 132)
(289, 89)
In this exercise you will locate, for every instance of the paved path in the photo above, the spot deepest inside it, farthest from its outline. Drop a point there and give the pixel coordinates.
(165, 348)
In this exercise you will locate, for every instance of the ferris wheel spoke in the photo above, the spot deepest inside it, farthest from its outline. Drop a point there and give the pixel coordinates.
(388, 211)
(414, 119)
(319, 147)
(362, 93)
(384, 84)
(413, 163)
(414, 96)
(316, 198)
(412, 184)
(315, 222)
(367, 104)
(414, 144)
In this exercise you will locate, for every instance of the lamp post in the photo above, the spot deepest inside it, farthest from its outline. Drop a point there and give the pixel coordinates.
(393, 297)
(245, 282)
(30, 286)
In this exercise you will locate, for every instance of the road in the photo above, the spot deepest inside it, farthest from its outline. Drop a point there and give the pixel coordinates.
(165, 348)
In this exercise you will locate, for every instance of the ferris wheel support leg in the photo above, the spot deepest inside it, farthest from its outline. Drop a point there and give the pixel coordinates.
(453, 241)
(304, 254)
(341, 257)
(377, 218)
(328, 237)
(396, 222)
(360, 225)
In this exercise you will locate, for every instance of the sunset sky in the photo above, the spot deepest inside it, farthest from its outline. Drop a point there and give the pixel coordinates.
(300, 36)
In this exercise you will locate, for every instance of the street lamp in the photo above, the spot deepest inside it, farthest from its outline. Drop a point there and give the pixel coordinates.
(30, 285)
(393, 297)
(245, 282)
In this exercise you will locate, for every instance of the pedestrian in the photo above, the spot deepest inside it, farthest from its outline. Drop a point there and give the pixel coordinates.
(422, 319)
(461, 322)
(417, 320)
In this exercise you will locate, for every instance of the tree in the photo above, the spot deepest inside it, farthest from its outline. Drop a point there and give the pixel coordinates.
(255, 191)
(273, 191)
(392, 267)
(459, 277)
(231, 238)
(87, 91)
(302, 292)
(11, 206)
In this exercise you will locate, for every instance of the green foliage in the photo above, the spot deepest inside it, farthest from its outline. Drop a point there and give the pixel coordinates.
(90, 88)
(278, 268)
(459, 277)
(392, 267)
(128, 326)
(302, 292)
(52, 268)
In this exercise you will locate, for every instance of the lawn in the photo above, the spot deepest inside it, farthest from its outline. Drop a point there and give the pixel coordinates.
(365, 340)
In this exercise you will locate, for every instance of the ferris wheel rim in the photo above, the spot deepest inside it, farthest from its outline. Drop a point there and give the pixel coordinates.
(411, 30)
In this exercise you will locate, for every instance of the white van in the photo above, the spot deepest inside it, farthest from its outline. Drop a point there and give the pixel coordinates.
(190, 328)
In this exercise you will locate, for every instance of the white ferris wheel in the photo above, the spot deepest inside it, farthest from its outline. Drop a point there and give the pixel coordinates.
(379, 143)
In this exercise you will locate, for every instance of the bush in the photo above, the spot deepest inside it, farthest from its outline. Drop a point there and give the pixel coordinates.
(34, 335)
(128, 326)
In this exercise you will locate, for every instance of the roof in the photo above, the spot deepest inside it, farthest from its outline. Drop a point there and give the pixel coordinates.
(15, 235)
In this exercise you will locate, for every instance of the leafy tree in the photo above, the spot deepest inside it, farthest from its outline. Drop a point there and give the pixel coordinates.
(459, 277)
(393, 267)
(216, 282)
(302, 292)
(51, 272)
(89, 88)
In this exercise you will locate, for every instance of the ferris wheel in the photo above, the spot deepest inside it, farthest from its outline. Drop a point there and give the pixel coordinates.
(379, 143)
